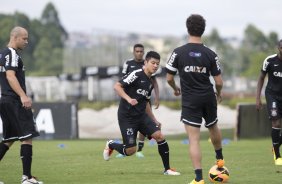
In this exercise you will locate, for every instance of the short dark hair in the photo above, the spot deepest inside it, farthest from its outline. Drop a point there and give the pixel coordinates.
(152, 54)
(196, 25)
(138, 45)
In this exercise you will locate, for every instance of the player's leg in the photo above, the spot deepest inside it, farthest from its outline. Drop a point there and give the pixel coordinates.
(26, 131)
(275, 116)
(210, 116)
(215, 136)
(275, 135)
(140, 146)
(129, 133)
(193, 134)
(148, 127)
(191, 116)
(4, 147)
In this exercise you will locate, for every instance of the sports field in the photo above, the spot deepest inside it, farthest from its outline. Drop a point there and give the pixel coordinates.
(81, 162)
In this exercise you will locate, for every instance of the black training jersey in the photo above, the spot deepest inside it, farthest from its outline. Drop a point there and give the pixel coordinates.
(194, 63)
(272, 66)
(131, 65)
(138, 86)
(10, 60)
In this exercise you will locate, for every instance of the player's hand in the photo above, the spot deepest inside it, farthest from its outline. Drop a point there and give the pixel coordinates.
(26, 102)
(156, 103)
(218, 97)
(177, 91)
(133, 102)
(258, 104)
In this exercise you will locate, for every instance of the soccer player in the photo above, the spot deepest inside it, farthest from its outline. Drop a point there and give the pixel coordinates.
(195, 63)
(272, 66)
(135, 114)
(133, 64)
(15, 105)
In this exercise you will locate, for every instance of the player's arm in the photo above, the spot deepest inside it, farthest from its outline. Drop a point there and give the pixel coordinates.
(170, 80)
(218, 86)
(120, 91)
(15, 85)
(157, 92)
(151, 115)
(259, 88)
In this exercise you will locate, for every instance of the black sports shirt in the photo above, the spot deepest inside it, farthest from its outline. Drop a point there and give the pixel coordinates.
(138, 86)
(10, 60)
(131, 65)
(194, 63)
(272, 66)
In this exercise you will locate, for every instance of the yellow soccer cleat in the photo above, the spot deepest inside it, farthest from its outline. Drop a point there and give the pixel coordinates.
(197, 182)
(278, 161)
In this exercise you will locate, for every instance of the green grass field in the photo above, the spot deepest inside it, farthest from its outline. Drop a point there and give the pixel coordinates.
(81, 162)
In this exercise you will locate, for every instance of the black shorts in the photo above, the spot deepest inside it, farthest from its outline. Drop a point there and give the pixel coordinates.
(130, 126)
(197, 108)
(274, 106)
(18, 122)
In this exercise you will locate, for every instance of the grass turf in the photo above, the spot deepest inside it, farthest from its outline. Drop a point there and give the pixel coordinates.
(80, 161)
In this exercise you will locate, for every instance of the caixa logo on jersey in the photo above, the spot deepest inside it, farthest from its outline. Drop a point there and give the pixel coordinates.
(44, 121)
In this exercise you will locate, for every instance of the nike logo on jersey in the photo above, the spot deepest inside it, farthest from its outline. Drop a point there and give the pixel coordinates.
(276, 64)
(142, 81)
(132, 66)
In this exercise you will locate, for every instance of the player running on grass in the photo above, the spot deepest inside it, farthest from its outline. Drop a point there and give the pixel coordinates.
(272, 66)
(135, 114)
(129, 66)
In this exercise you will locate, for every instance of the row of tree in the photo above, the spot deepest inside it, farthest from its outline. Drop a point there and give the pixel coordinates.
(44, 54)
(47, 37)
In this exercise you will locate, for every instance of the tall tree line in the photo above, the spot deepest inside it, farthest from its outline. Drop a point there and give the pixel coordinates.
(44, 53)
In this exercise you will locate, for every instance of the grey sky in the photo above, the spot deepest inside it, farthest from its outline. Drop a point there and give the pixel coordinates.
(160, 17)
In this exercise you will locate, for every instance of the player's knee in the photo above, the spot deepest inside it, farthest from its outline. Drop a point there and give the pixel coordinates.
(158, 136)
(130, 151)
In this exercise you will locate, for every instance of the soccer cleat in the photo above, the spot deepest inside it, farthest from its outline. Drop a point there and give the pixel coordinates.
(32, 180)
(278, 161)
(107, 151)
(120, 156)
(171, 172)
(220, 163)
(197, 182)
(139, 154)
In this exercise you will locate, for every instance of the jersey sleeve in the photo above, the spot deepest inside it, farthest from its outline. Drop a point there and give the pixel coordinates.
(125, 68)
(265, 66)
(172, 63)
(130, 79)
(11, 60)
(215, 66)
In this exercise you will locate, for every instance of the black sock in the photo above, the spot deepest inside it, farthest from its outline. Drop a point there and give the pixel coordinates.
(218, 154)
(26, 156)
(118, 147)
(140, 145)
(164, 153)
(275, 135)
(3, 149)
(280, 139)
(199, 174)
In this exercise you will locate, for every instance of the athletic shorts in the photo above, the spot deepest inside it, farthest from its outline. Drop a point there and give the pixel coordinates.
(274, 106)
(130, 126)
(18, 122)
(198, 108)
